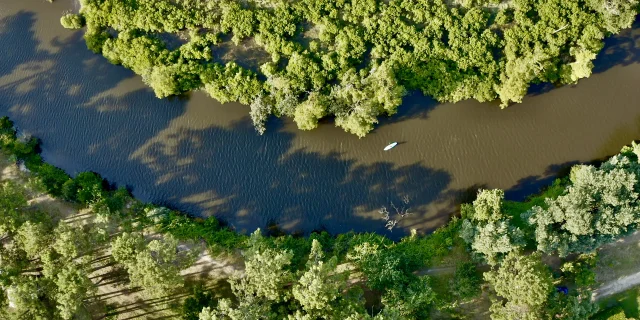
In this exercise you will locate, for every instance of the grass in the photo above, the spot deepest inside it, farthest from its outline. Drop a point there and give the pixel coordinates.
(627, 302)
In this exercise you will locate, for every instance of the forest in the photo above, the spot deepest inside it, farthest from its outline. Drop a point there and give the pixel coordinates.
(350, 61)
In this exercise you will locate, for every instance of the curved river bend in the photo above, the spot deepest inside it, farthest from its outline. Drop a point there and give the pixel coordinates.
(205, 158)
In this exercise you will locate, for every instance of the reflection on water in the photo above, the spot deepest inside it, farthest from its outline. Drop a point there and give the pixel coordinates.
(196, 155)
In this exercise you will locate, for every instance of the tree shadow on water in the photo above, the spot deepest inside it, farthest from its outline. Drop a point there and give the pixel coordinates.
(92, 115)
(253, 181)
(531, 185)
(415, 105)
(620, 50)
(76, 102)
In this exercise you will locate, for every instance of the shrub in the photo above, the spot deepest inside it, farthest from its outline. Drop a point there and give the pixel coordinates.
(72, 21)
(53, 178)
(466, 281)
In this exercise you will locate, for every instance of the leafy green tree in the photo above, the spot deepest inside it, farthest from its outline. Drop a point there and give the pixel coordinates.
(487, 230)
(70, 241)
(575, 306)
(13, 261)
(580, 270)
(155, 266)
(199, 300)
(616, 14)
(411, 301)
(466, 281)
(260, 111)
(72, 21)
(33, 238)
(13, 203)
(319, 286)
(30, 298)
(73, 287)
(524, 282)
(599, 205)
(308, 112)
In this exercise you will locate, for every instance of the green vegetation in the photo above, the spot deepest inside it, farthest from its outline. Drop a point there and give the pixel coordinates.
(72, 21)
(525, 282)
(596, 206)
(353, 60)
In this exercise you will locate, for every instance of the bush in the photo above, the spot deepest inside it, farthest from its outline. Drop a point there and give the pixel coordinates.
(89, 187)
(53, 178)
(196, 302)
(466, 281)
(581, 270)
(72, 21)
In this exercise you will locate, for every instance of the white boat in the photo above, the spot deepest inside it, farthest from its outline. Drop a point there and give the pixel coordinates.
(389, 147)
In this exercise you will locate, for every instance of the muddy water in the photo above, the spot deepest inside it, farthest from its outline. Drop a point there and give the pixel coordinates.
(205, 158)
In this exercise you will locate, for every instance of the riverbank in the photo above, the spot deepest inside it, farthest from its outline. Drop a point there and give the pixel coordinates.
(452, 281)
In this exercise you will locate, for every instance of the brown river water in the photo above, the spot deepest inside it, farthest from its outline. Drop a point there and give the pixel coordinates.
(205, 158)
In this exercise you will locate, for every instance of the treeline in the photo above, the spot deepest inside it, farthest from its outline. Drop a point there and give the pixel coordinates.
(577, 215)
(353, 60)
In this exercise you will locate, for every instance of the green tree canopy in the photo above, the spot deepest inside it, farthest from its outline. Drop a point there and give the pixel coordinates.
(524, 282)
(599, 205)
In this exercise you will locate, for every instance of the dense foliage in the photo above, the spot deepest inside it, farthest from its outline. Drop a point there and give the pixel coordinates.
(353, 60)
(597, 205)
(525, 283)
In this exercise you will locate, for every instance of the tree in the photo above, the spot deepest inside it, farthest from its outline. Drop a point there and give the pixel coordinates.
(466, 281)
(70, 241)
(411, 301)
(30, 298)
(194, 305)
(319, 286)
(33, 238)
(616, 14)
(524, 282)
(12, 261)
(599, 205)
(574, 306)
(13, 202)
(156, 266)
(265, 275)
(488, 205)
(260, 111)
(72, 21)
(73, 287)
(261, 286)
(486, 229)
(307, 113)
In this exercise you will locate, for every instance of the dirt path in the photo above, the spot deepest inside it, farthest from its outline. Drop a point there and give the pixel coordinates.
(618, 267)
(616, 286)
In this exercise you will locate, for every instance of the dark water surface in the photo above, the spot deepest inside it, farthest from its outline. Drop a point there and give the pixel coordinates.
(205, 158)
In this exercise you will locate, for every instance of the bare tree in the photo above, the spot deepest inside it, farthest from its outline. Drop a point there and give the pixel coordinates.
(399, 213)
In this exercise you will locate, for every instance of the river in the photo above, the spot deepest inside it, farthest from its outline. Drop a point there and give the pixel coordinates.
(204, 158)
